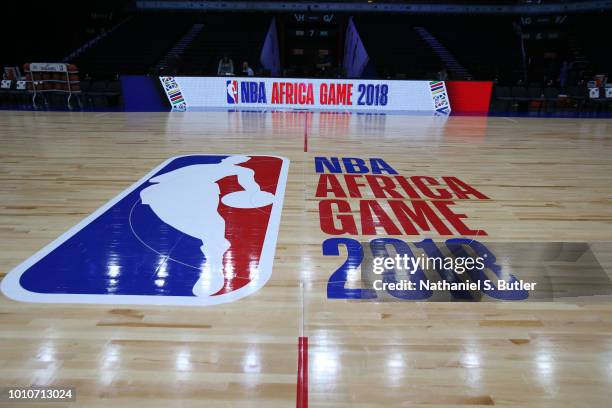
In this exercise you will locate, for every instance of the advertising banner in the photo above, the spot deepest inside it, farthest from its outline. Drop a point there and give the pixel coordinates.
(192, 93)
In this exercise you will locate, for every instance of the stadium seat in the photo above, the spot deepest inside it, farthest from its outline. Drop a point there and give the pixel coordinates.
(501, 98)
(519, 93)
(551, 99)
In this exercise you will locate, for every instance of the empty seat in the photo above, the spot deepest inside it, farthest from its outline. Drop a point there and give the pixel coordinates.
(519, 93)
(534, 92)
(551, 93)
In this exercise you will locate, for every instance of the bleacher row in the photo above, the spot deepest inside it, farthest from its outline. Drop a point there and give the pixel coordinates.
(406, 55)
(242, 43)
(143, 40)
(402, 48)
(135, 46)
(548, 100)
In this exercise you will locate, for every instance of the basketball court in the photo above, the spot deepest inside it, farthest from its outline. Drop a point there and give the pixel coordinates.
(305, 337)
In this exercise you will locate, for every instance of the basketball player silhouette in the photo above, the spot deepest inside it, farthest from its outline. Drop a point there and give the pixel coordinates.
(233, 92)
(188, 200)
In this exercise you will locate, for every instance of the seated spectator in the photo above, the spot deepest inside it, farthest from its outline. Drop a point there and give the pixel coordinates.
(246, 70)
(443, 75)
(323, 63)
(226, 66)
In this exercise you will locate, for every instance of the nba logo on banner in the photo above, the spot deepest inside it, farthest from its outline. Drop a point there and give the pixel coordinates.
(232, 92)
(197, 230)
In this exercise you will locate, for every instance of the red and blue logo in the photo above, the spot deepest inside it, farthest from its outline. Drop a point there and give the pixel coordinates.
(232, 91)
(197, 230)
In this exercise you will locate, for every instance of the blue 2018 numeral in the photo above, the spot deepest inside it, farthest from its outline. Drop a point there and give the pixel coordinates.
(336, 285)
(373, 95)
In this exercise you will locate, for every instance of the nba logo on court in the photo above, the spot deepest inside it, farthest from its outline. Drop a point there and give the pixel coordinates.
(232, 92)
(197, 230)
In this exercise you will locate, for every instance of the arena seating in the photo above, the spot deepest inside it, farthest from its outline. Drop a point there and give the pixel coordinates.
(135, 46)
(242, 43)
(45, 42)
(405, 54)
(488, 47)
(589, 32)
(535, 100)
(100, 93)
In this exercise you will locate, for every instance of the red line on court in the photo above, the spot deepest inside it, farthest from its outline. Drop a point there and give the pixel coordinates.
(302, 374)
(306, 133)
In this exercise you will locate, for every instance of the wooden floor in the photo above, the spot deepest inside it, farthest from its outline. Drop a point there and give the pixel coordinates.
(547, 180)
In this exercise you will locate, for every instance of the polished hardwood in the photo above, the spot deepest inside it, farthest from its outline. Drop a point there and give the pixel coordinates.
(548, 180)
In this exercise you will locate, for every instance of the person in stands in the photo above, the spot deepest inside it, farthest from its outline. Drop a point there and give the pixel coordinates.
(443, 75)
(323, 63)
(246, 70)
(226, 66)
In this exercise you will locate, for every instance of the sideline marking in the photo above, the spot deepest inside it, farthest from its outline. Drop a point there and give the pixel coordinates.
(302, 374)
(306, 133)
